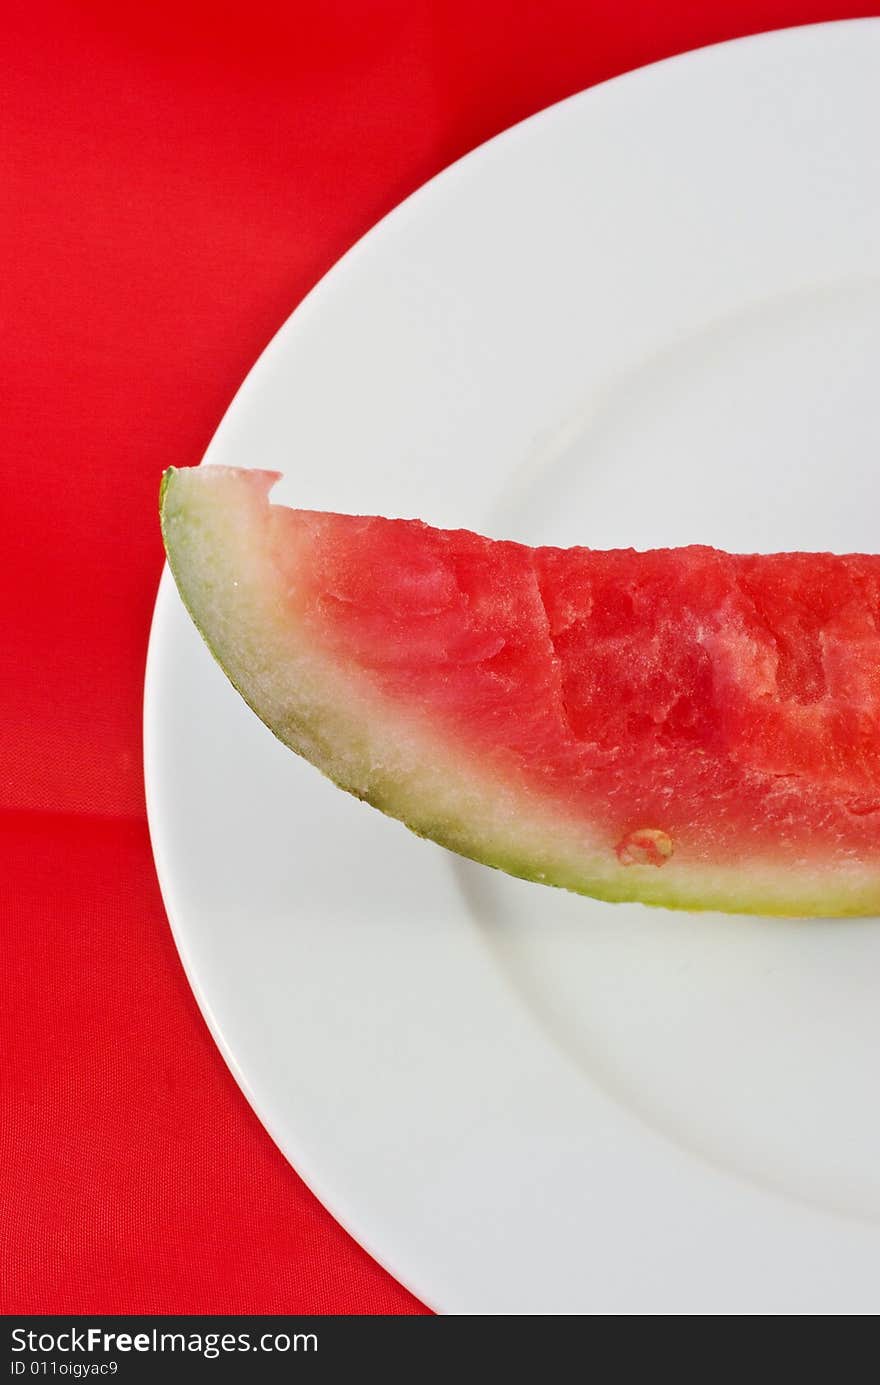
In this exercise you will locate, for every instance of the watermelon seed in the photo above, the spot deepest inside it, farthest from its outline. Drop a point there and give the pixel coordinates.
(647, 846)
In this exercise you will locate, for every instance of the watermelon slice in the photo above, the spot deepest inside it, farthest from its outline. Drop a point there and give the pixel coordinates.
(682, 727)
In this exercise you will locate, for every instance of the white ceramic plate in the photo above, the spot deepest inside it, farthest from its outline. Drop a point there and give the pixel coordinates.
(649, 315)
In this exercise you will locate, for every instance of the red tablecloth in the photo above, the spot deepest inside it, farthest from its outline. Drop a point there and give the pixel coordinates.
(173, 177)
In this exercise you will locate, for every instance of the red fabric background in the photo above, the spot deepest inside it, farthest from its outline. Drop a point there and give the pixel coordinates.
(174, 176)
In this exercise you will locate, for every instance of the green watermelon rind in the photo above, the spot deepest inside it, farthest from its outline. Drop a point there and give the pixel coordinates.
(210, 519)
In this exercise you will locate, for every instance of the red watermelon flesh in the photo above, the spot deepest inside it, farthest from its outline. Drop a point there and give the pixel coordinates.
(683, 726)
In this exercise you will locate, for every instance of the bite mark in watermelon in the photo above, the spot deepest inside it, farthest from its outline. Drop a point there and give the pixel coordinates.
(682, 727)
